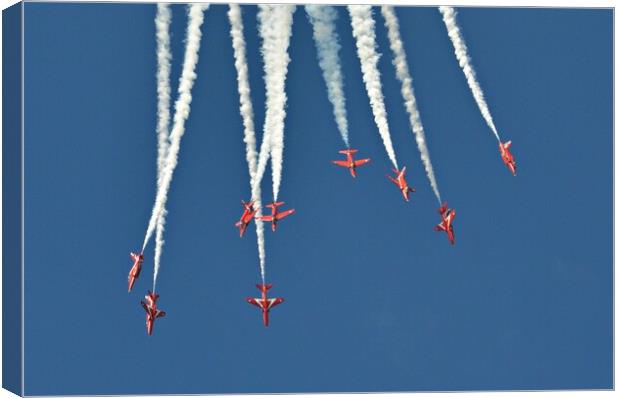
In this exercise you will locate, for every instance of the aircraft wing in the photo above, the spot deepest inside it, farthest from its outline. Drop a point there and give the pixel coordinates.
(361, 162)
(393, 180)
(266, 218)
(254, 301)
(440, 227)
(285, 213)
(275, 301)
(342, 163)
(160, 314)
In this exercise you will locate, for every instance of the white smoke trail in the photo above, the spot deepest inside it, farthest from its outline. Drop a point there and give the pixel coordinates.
(363, 26)
(162, 24)
(460, 49)
(182, 109)
(327, 45)
(243, 85)
(247, 115)
(404, 76)
(159, 244)
(275, 22)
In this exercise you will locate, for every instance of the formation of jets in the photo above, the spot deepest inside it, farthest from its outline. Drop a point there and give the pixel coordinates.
(264, 303)
(249, 213)
(273, 218)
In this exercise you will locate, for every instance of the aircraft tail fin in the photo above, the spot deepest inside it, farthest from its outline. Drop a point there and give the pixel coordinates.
(266, 286)
(348, 151)
(274, 205)
(153, 296)
(442, 209)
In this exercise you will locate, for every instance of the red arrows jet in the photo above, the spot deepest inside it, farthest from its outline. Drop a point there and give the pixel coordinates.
(246, 217)
(152, 313)
(350, 163)
(134, 272)
(447, 216)
(275, 215)
(401, 183)
(507, 157)
(264, 303)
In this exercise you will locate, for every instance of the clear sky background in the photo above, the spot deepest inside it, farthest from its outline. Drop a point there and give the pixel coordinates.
(375, 299)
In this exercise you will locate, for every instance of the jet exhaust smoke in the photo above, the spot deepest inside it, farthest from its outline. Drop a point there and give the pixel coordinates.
(327, 44)
(182, 110)
(247, 115)
(404, 76)
(460, 50)
(243, 85)
(274, 25)
(162, 24)
(159, 244)
(363, 26)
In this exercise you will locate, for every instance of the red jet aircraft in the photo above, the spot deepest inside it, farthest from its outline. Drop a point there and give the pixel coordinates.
(447, 216)
(264, 303)
(246, 217)
(504, 149)
(275, 216)
(134, 272)
(152, 312)
(401, 183)
(350, 163)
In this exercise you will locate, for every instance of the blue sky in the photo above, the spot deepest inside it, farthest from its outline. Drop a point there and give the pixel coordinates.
(375, 299)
